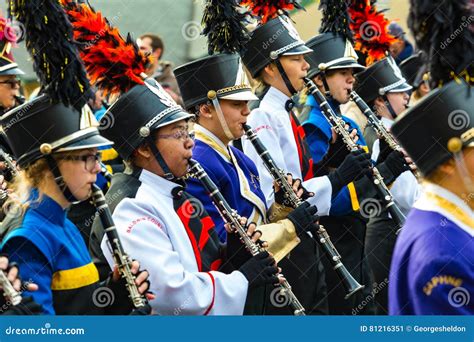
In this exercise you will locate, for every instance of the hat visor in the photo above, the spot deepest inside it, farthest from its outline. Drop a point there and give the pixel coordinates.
(92, 141)
(175, 117)
(12, 71)
(246, 95)
(404, 87)
(297, 50)
(349, 64)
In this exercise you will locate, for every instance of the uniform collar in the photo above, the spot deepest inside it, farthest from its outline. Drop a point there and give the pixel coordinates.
(274, 98)
(438, 199)
(311, 101)
(47, 207)
(212, 141)
(388, 123)
(159, 184)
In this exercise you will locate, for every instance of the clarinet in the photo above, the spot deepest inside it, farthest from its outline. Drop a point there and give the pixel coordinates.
(8, 290)
(122, 260)
(379, 127)
(348, 281)
(339, 126)
(9, 162)
(230, 216)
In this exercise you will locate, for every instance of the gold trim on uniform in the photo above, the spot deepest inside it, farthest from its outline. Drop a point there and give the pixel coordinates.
(451, 208)
(75, 278)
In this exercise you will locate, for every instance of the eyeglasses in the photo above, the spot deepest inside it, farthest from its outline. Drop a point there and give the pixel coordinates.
(182, 135)
(90, 160)
(13, 83)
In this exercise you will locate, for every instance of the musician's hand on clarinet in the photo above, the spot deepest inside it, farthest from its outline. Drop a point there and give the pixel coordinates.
(304, 218)
(141, 279)
(355, 165)
(27, 306)
(261, 270)
(395, 164)
(12, 273)
(298, 189)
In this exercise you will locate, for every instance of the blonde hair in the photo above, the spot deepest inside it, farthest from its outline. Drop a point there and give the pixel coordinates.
(28, 178)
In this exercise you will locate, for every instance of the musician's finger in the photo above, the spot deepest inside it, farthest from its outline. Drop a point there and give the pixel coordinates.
(16, 284)
(257, 234)
(296, 185)
(281, 279)
(3, 166)
(150, 296)
(141, 277)
(243, 221)
(115, 274)
(135, 267)
(228, 228)
(300, 193)
(3, 262)
(276, 186)
(12, 273)
(144, 287)
(31, 287)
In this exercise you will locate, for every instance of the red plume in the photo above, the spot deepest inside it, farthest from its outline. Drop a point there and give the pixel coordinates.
(267, 10)
(114, 64)
(370, 28)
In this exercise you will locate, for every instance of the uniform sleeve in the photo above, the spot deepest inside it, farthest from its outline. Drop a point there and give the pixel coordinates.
(443, 286)
(178, 291)
(267, 130)
(33, 267)
(405, 190)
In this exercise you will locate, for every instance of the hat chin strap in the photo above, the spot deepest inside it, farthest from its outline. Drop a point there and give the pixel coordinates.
(221, 117)
(389, 106)
(159, 158)
(287, 81)
(327, 92)
(58, 178)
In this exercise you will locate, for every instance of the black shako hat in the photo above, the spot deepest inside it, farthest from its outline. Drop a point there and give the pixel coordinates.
(136, 113)
(221, 73)
(331, 51)
(277, 37)
(382, 77)
(40, 127)
(439, 125)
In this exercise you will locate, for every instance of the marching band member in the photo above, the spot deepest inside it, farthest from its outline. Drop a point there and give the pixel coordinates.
(165, 226)
(281, 67)
(431, 270)
(332, 64)
(385, 90)
(55, 138)
(218, 124)
(57, 170)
